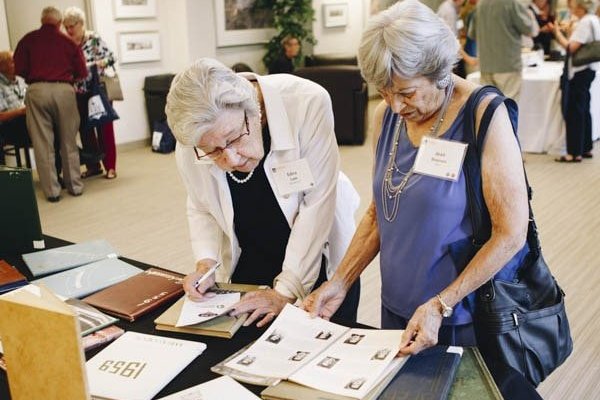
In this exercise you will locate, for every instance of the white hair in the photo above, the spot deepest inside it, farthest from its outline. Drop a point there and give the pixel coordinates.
(74, 14)
(51, 13)
(589, 5)
(201, 93)
(406, 40)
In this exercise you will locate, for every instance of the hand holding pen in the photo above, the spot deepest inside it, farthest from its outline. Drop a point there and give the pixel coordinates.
(196, 284)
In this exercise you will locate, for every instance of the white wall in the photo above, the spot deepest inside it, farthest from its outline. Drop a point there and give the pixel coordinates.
(4, 40)
(339, 39)
(187, 32)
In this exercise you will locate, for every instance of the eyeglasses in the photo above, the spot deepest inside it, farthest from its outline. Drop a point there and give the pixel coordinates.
(215, 153)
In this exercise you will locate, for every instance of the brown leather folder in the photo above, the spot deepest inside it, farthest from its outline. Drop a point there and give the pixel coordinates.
(10, 277)
(139, 294)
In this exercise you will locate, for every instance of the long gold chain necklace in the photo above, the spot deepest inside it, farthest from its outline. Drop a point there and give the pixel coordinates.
(392, 192)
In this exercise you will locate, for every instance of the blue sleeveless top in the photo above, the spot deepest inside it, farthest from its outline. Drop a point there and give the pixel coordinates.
(432, 216)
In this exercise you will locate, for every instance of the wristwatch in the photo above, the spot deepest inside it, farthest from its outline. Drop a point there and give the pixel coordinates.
(446, 309)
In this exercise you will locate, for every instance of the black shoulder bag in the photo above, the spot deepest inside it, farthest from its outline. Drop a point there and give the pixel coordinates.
(522, 323)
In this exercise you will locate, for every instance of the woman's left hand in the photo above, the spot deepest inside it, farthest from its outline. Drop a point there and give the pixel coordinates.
(261, 303)
(422, 329)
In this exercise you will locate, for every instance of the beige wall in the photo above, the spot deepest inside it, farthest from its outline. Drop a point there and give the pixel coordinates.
(187, 32)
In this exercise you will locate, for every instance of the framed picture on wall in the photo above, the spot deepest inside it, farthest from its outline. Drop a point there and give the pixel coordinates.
(241, 23)
(134, 9)
(335, 14)
(139, 47)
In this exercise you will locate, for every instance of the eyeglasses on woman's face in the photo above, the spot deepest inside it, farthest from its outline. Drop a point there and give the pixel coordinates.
(216, 152)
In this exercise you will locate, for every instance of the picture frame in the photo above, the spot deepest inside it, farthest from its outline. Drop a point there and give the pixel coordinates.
(125, 9)
(237, 24)
(335, 15)
(135, 47)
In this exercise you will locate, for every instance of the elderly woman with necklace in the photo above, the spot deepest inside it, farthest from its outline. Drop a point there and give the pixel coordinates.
(259, 160)
(96, 52)
(415, 216)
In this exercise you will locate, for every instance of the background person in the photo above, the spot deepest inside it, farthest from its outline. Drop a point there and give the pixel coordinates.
(235, 132)
(96, 52)
(497, 28)
(545, 19)
(12, 104)
(285, 63)
(415, 219)
(577, 117)
(50, 62)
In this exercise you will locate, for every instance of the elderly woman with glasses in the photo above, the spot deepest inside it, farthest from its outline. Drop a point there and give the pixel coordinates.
(417, 214)
(260, 163)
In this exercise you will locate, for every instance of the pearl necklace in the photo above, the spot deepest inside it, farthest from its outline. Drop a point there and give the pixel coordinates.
(238, 180)
(389, 191)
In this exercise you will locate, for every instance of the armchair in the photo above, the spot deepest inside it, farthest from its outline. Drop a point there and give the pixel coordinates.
(341, 77)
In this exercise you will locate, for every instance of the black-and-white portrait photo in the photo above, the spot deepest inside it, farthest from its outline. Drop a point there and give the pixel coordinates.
(354, 338)
(380, 354)
(323, 335)
(355, 384)
(243, 14)
(207, 314)
(274, 337)
(299, 356)
(328, 362)
(247, 360)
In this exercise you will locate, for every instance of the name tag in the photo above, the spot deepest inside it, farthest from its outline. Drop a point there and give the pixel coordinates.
(293, 177)
(440, 158)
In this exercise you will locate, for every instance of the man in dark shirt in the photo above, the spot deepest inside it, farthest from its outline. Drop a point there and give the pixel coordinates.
(285, 63)
(50, 62)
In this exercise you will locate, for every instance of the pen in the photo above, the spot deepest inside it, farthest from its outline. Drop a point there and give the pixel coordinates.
(206, 275)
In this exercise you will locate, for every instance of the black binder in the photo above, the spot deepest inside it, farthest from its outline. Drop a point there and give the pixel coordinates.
(426, 376)
(20, 228)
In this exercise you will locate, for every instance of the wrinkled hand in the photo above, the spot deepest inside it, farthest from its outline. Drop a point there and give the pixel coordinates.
(422, 329)
(261, 303)
(199, 293)
(325, 301)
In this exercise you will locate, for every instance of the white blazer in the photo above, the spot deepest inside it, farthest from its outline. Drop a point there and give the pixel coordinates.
(321, 219)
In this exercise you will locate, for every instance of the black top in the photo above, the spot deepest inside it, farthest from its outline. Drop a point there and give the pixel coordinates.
(260, 226)
(282, 65)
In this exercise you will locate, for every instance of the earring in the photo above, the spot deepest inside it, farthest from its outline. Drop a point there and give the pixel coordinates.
(444, 82)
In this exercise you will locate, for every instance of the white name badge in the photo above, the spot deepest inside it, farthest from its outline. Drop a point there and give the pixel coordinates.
(440, 158)
(293, 177)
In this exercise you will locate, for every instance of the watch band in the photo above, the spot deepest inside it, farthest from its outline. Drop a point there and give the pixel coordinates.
(446, 309)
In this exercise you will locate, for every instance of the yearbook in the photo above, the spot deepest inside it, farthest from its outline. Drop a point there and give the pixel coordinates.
(137, 366)
(316, 353)
(67, 257)
(139, 294)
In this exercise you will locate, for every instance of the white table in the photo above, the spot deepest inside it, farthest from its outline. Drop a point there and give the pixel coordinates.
(541, 125)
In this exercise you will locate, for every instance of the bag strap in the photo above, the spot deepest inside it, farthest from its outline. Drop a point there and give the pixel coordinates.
(480, 217)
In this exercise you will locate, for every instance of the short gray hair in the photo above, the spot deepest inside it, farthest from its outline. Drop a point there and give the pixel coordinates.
(200, 93)
(407, 40)
(74, 14)
(51, 13)
(589, 5)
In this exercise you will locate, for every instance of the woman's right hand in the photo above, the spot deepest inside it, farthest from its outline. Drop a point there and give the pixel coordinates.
(199, 293)
(325, 301)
